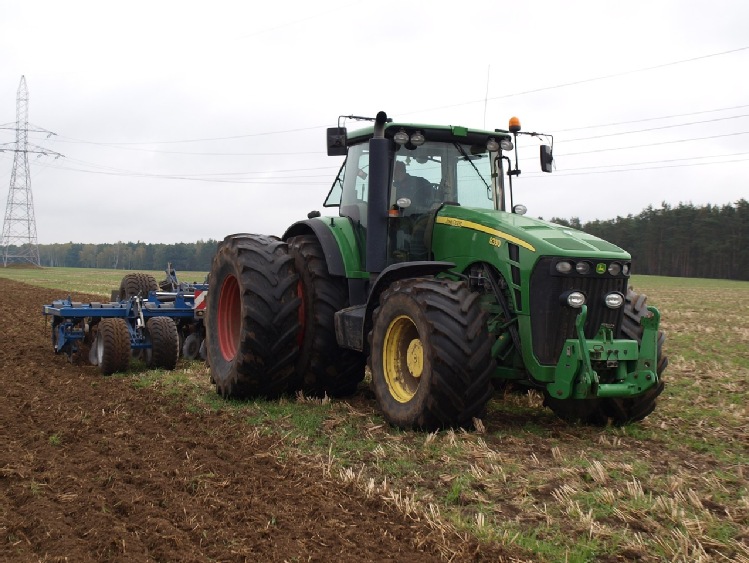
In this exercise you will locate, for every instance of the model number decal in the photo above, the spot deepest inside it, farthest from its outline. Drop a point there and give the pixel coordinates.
(496, 236)
(452, 222)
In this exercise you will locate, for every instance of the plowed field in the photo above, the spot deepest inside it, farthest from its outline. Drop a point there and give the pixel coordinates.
(93, 468)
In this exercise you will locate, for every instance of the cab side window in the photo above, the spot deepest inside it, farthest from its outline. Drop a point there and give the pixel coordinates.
(355, 184)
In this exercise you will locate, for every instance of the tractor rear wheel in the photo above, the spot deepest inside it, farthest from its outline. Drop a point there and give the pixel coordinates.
(323, 367)
(430, 354)
(164, 342)
(137, 284)
(112, 345)
(619, 411)
(252, 317)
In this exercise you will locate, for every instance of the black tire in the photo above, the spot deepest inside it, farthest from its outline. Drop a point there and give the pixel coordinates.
(164, 337)
(137, 284)
(440, 327)
(112, 346)
(252, 318)
(191, 346)
(323, 367)
(619, 411)
(625, 411)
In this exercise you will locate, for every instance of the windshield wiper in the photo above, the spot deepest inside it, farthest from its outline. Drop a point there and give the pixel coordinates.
(462, 151)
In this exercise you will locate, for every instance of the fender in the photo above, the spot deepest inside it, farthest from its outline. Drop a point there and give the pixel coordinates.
(353, 324)
(327, 240)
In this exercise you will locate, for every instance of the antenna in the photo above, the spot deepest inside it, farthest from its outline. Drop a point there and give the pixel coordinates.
(19, 240)
(486, 95)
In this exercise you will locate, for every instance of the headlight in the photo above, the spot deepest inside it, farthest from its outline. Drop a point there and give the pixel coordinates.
(625, 269)
(574, 299)
(492, 145)
(564, 267)
(614, 300)
(615, 268)
(583, 268)
(417, 139)
(520, 209)
(401, 137)
(506, 144)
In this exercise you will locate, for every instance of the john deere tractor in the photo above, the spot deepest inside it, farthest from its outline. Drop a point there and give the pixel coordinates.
(429, 274)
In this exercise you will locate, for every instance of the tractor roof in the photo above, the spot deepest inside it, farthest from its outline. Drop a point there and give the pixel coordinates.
(443, 133)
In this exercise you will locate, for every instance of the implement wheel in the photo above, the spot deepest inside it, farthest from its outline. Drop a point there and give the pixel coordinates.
(112, 346)
(323, 367)
(164, 342)
(430, 354)
(191, 346)
(137, 284)
(252, 318)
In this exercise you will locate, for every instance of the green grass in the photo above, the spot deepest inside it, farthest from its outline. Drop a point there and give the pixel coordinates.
(673, 487)
(85, 280)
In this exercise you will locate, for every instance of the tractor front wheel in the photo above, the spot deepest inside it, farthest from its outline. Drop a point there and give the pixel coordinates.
(624, 411)
(430, 354)
(619, 411)
(252, 317)
(112, 345)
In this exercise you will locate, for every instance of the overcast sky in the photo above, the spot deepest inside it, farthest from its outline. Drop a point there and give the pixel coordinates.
(181, 121)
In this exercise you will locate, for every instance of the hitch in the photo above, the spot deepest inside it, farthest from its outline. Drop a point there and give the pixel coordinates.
(635, 365)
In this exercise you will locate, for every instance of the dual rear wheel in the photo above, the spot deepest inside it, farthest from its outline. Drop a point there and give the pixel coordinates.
(252, 317)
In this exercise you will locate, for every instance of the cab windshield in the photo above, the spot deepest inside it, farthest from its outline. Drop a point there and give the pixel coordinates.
(456, 173)
(451, 172)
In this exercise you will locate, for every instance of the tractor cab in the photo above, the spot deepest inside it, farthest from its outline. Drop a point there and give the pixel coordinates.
(419, 169)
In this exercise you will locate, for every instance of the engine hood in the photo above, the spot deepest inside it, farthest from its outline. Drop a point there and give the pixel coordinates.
(535, 235)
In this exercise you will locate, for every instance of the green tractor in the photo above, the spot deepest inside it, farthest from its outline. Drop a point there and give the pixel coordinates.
(425, 275)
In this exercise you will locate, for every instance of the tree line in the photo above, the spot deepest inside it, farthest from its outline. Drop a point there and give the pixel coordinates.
(135, 256)
(710, 241)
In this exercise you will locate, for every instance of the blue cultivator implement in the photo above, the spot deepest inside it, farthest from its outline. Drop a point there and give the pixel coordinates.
(153, 328)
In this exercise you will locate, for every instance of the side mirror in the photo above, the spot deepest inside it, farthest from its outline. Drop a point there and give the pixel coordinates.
(336, 137)
(547, 159)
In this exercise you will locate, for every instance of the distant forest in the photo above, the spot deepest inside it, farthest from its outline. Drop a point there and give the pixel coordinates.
(684, 241)
(136, 256)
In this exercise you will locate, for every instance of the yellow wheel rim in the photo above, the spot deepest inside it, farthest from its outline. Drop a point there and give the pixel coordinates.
(402, 358)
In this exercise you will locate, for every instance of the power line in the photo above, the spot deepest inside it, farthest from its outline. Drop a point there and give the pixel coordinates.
(583, 81)
(655, 144)
(539, 175)
(273, 181)
(650, 119)
(653, 129)
(125, 172)
(607, 166)
(64, 139)
(118, 144)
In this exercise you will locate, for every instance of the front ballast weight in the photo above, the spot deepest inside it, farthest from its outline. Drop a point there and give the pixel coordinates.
(117, 331)
(635, 365)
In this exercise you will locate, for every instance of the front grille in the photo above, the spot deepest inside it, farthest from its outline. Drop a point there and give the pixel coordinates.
(552, 323)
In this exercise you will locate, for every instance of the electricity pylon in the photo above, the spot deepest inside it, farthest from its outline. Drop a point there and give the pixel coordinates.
(19, 240)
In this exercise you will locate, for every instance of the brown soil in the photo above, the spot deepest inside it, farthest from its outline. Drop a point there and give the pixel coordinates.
(93, 468)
